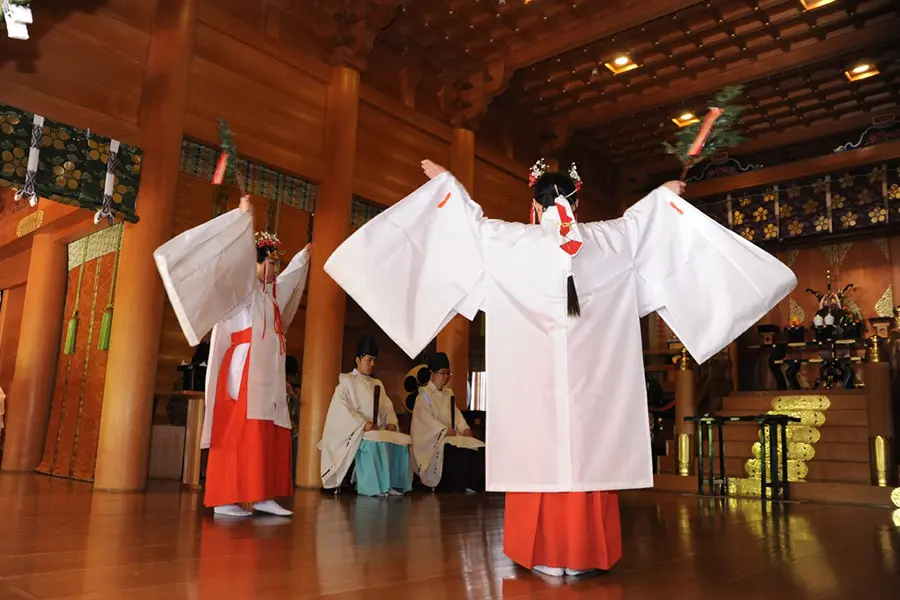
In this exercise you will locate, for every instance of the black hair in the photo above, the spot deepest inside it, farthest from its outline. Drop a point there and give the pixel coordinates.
(546, 190)
(367, 346)
(262, 253)
(291, 366)
(438, 361)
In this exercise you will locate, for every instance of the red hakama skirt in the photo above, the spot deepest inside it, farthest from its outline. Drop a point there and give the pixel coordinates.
(574, 530)
(249, 459)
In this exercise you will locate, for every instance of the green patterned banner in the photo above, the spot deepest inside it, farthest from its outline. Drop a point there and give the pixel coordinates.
(72, 163)
(852, 200)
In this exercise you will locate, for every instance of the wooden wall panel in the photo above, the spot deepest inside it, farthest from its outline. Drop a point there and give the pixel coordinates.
(502, 194)
(275, 109)
(389, 152)
(83, 68)
(11, 307)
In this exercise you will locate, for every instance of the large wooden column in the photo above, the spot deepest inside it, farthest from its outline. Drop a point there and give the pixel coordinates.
(454, 339)
(122, 456)
(28, 399)
(326, 302)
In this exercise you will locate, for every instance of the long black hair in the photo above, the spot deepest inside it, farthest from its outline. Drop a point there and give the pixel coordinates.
(547, 188)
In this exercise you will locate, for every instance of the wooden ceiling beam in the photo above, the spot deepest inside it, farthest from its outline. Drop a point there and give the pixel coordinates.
(814, 53)
(612, 18)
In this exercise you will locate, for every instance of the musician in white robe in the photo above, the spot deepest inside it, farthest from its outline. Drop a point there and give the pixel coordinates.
(447, 457)
(563, 339)
(217, 277)
(361, 432)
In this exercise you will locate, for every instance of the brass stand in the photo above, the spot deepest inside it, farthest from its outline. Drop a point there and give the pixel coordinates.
(880, 453)
(684, 454)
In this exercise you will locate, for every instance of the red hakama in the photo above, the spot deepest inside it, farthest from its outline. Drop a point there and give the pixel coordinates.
(249, 459)
(574, 530)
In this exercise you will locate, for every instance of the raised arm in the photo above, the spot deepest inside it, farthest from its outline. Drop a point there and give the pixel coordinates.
(291, 283)
(416, 265)
(209, 271)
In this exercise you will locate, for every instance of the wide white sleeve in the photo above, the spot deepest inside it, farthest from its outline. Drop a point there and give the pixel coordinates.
(291, 283)
(415, 266)
(707, 283)
(342, 395)
(208, 271)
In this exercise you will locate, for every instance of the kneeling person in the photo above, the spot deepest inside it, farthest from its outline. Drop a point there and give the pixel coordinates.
(361, 426)
(448, 458)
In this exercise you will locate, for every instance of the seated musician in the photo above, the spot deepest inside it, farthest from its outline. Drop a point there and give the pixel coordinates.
(361, 426)
(447, 457)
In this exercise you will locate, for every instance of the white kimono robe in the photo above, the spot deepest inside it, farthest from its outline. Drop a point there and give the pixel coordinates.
(351, 406)
(568, 398)
(428, 430)
(209, 273)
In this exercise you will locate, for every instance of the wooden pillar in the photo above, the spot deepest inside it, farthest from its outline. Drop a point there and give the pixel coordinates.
(685, 406)
(454, 338)
(125, 424)
(880, 411)
(326, 302)
(29, 397)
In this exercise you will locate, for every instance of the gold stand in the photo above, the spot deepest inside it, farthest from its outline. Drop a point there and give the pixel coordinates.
(880, 453)
(684, 456)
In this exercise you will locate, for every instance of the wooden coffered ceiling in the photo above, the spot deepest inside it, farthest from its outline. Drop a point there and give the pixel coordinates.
(550, 55)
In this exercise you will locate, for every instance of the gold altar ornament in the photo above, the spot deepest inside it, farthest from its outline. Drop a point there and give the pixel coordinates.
(30, 223)
(816, 403)
(879, 449)
(684, 454)
(895, 497)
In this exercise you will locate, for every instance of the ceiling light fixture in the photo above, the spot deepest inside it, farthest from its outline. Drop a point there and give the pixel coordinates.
(814, 4)
(861, 70)
(620, 64)
(685, 119)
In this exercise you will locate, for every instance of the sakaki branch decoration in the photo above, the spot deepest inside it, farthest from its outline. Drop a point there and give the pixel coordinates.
(715, 133)
(228, 158)
(17, 17)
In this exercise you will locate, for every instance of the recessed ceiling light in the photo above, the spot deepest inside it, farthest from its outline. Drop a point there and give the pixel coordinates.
(862, 70)
(814, 4)
(685, 119)
(621, 64)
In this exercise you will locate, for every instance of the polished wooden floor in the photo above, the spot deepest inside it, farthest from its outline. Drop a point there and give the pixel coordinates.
(58, 540)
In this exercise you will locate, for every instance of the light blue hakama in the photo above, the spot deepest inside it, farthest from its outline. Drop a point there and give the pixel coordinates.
(381, 467)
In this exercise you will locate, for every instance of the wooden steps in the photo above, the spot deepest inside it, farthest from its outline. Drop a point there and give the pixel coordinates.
(839, 469)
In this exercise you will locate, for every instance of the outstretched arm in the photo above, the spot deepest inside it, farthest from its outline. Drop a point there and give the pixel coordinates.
(432, 169)
(209, 271)
(429, 246)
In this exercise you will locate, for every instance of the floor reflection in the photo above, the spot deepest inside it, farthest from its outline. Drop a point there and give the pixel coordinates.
(61, 541)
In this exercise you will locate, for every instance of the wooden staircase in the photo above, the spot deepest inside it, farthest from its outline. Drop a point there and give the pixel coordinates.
(839, 469)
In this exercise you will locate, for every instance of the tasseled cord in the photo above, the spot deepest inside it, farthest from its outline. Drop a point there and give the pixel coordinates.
(72, 327)
(106, 322)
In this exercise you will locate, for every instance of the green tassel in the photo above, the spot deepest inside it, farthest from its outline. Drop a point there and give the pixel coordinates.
(105, 329)
(71, 332)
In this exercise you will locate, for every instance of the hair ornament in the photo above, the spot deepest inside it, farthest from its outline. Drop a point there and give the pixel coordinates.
(537, 171)
(575, 177)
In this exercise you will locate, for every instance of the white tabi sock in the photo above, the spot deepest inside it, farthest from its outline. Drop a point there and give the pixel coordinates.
(271, 507)
(551, 571)
(231, 510)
